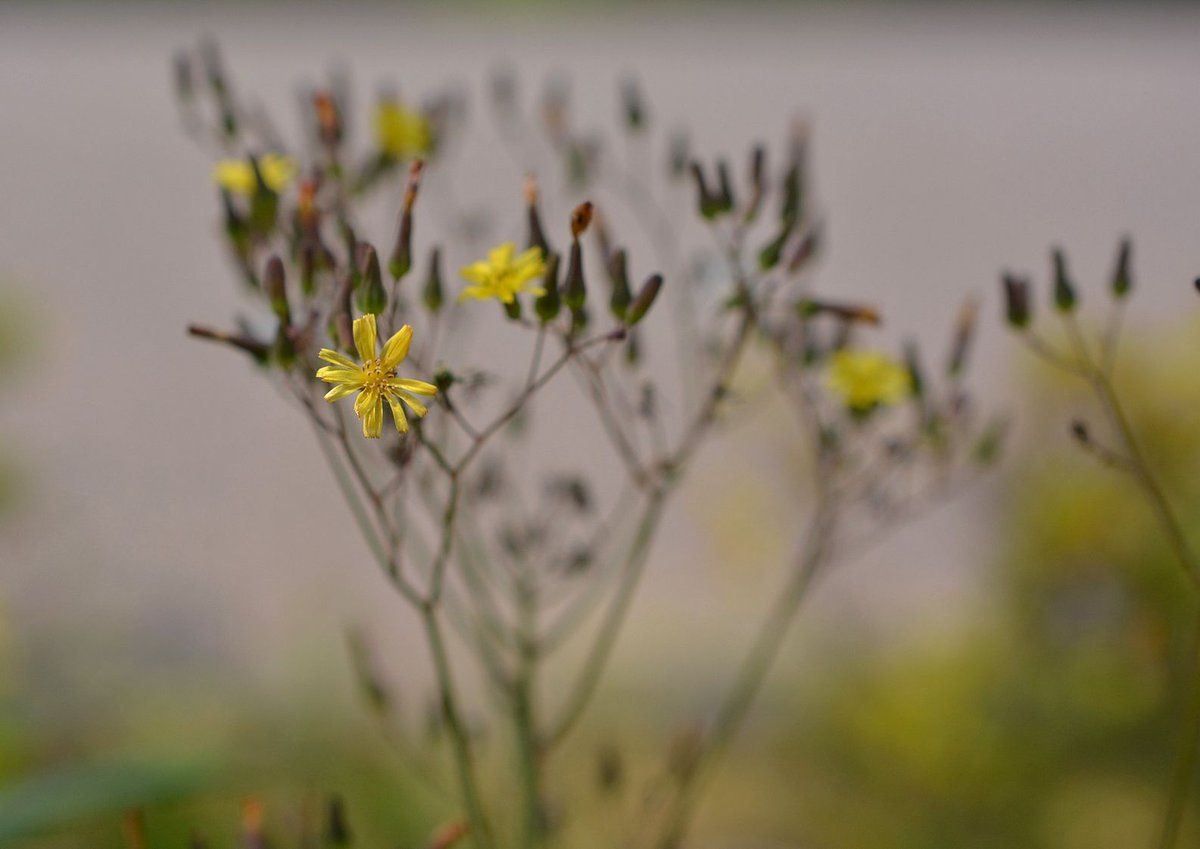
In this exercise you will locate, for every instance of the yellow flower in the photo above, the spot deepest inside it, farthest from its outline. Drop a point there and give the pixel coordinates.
(375, 380)
(401, 132)
(503, 276)
(866, 378)
(237, 175)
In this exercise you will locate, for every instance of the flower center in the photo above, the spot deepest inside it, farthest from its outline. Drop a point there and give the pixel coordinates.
(377, 376)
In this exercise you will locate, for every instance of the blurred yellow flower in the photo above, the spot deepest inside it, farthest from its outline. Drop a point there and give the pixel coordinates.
(866, 378)
(375, 380)
(504, 276)
(401, 132)
(237, 175)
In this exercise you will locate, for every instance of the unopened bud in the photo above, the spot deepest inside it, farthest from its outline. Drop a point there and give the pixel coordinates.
(768, 257)
(634, 108)
(1064, 291)
(912, 359)
(537, 236)
(1122, 279)
(678, 155)
(372, 297)
(987, 449)
(758, 181)
(848, 313)
(707, 203)
(547, 305)
(329, 121)
(805, 250)
(581, 217)
(401, 259)
(275, 287)
(964, 332)
(793, 194)
(1016, 301)
(432, 294)
(724, 186)
(574, 289)
(644, 300)
(308, 268)
(617, 274)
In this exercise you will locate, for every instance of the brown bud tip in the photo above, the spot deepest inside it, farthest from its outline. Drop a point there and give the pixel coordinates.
(415, 168)
(529, 188)
(581, 218)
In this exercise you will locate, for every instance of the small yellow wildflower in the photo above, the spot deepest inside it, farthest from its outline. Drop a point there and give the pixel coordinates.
(375, 380)
(401, 132)
(503, 276)
(864, 379)
(237, 175)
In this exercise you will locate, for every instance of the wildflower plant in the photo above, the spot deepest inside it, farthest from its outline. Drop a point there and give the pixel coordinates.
(1091, 357)
(443, 497)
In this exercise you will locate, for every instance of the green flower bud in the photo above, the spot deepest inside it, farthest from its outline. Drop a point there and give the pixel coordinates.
(372, 297)
(768, 257)
(547, 306)
(644, 300)
(432, 294)
(1064, 291)
(1016, 301)
(617, 274)
(1122, 279)
(275, 286)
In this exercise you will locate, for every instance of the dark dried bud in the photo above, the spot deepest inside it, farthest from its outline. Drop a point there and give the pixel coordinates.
(618, 275)
(547, 305)
(1016, 300)
(1122, 279)
(758, 181)
(432, 294)
(793, 194)
(724, 186)
(644, 300)
(581, 217)
(1064, 290)
(275, 286)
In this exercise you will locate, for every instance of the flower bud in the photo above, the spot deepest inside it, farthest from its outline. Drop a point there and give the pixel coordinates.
(581, 217)
(1016, 301)
(644, 300)
(845, 312)
(574, 290)
(1064, 291)
(964, 332)
(677, 161)
(805, 250)
(707, 203)
(547, 306)
(537, 236)
(253, 347)
(372, 297)
(768, 257)
(308, 268)
(758, 182)
(724, 186)
(619, 301)
(1122, 280)
(632, 106)
(432, 294)
(912, 359)
(329, 121)
(401, 259)
(275, 286)
(990, 442)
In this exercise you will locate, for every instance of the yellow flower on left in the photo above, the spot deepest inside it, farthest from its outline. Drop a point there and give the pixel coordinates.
(504, 274)
(865, 379)
(375, 379)
(236, 176)
(401, 132)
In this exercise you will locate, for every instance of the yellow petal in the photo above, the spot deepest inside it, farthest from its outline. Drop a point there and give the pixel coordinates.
(340, 391)
(235, 176)
(396, 348)
(368, 406)
(337, 374)
(419, 387)
(397, 413)
(478, 293)
(277, 171)
(476, 272)
(417, 407)
(501, 256)
(365, 336)
(331, 356)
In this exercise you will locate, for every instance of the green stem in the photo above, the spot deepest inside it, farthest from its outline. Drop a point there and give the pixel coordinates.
(524, 697)
(463, 757)
(753, 671)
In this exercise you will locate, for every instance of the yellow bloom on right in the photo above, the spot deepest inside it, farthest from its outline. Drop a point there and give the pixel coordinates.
(864, 379)
(504, 274)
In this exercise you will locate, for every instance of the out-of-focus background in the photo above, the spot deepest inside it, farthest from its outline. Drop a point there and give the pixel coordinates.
(177, 574)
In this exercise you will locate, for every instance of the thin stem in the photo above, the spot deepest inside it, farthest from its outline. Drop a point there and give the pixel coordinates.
(463, 757)
(1185, 763)
(753, 671)
(524, 699)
